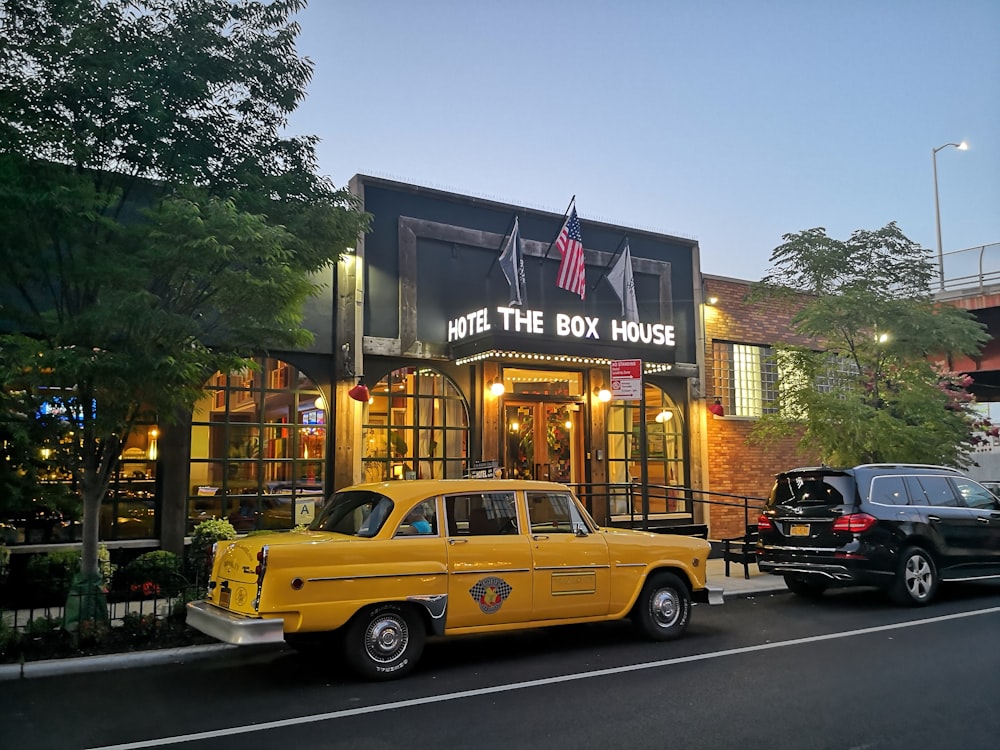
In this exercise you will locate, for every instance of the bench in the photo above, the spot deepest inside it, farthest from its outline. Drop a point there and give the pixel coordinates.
(741, 550)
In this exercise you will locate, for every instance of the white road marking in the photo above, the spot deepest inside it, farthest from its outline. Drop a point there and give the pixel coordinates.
(178, 739)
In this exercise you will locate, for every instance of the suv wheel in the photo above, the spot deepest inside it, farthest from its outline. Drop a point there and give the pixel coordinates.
(804, 586)
(916, 578)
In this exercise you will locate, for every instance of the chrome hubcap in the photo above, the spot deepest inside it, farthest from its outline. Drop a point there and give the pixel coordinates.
(665, 607)
(386, 639)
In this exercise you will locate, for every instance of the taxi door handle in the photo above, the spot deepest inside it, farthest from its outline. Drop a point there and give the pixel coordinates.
(538, 537)
(457, 541)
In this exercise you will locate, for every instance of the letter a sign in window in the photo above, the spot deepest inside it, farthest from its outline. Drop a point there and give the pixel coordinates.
(626, 379)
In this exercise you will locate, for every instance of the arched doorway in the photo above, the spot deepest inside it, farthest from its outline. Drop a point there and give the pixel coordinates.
(543, 420)
(415, 426)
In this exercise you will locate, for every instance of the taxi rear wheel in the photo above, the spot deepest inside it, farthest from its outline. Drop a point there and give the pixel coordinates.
(384, 642)
(663, 609)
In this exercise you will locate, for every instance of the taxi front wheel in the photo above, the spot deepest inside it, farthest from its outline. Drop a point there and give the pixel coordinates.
(664, 607)
(384, 642)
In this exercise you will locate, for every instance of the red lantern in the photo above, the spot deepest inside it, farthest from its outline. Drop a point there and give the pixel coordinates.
(359, 392)
(717, 409)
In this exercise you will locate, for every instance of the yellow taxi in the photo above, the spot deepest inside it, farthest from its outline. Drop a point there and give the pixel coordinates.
(385, 565)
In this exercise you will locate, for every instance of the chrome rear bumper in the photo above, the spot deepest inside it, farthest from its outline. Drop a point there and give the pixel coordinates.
(232, 628)
(710, 595)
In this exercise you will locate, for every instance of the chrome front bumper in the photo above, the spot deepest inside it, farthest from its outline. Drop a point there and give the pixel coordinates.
(232, 628)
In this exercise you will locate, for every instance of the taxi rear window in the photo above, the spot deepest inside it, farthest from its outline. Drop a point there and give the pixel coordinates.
(812, 489)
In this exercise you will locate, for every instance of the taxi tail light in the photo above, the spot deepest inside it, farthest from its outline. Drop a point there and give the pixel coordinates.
(854, 523)
(764, 523)
(261, 564)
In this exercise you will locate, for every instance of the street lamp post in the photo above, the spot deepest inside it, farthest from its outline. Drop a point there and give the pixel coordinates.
(937, 208)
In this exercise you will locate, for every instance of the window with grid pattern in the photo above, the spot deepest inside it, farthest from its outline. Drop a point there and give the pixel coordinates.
(749, 378)
(746, 378)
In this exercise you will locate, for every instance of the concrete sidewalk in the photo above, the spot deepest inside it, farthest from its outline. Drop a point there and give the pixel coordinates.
(734, 585)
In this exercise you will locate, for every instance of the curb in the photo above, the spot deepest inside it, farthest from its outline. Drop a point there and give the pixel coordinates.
(52, 667)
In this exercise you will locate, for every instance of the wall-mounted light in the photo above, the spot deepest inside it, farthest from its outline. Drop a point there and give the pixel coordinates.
(153, 450)
(515, 426)
(360, 391)
(716, 408)
(712, 300)
(497, 388)
(664, 416)
(603, 394)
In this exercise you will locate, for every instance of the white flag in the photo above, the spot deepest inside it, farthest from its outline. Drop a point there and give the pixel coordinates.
(512, 265)
(620, 278)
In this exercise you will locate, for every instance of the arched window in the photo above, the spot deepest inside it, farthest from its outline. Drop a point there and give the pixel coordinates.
(416, 426)
(664, 441)
(258, 448)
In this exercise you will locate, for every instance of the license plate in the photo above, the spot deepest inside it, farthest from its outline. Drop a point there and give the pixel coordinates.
(799, 529)
(224, 597)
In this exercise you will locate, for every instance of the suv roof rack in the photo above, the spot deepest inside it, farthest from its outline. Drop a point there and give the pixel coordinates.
(900, 465)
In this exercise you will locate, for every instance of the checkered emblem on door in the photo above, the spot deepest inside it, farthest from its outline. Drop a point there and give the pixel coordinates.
(490, 593)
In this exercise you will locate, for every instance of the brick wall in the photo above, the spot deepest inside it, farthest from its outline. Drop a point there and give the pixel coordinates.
(734, 466)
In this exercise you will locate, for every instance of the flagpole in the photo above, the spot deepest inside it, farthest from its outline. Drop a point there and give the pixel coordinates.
(614, 255)
(503, 241)
(565, 214)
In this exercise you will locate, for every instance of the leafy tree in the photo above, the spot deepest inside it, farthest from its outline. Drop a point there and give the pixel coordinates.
(158, 224)
(877, 389)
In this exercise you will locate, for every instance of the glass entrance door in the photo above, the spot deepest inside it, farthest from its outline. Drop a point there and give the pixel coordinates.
(543, 440)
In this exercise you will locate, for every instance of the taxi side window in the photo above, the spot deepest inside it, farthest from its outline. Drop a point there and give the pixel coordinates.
(481, 514)
(421, 520)
(554, 512)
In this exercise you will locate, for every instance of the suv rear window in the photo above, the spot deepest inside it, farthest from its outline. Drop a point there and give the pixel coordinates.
(812, 489)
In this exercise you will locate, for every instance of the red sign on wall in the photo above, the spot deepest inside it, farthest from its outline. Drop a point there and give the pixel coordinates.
(626, 379)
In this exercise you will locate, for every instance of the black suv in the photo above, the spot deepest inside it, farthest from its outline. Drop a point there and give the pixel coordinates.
(901, 527)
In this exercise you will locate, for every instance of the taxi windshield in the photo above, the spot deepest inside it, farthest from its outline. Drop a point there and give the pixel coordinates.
(355, 512)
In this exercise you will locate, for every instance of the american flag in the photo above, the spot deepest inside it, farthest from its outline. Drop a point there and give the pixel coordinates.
(572, 272)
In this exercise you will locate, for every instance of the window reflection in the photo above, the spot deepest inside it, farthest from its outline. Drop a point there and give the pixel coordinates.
(258, 448)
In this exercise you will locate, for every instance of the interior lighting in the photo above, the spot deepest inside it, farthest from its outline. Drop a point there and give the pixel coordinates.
(664, 416)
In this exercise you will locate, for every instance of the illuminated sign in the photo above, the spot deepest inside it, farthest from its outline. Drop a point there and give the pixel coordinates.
(571, 327)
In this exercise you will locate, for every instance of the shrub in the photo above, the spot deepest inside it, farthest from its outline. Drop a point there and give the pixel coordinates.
(206, 534)
(4, 561)
(92, 633)
(141, 627)
(48, 576)
(156, 573)
(9, 639)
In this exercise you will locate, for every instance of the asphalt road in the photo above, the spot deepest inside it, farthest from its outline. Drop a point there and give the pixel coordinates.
(849, 671)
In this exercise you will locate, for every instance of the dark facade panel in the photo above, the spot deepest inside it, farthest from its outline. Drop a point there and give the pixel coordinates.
(431, 259)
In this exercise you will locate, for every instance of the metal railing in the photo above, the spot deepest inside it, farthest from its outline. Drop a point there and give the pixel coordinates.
(972, 270)
(660, 505)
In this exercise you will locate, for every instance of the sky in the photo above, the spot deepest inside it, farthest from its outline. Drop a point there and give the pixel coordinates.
(731, 122)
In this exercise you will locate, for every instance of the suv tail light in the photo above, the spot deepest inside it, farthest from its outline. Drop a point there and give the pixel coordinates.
(854, 523)
(764, 523)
